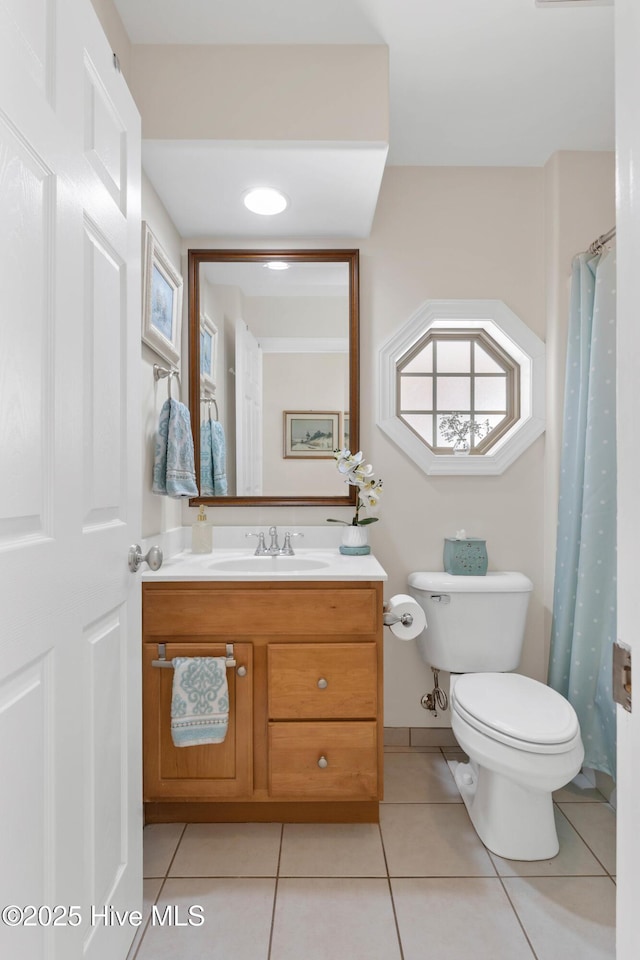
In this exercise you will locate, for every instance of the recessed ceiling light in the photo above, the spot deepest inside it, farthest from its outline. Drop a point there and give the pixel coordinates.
(277, 265)
(266, 201)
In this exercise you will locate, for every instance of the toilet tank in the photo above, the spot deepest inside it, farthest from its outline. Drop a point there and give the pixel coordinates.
(474, 624)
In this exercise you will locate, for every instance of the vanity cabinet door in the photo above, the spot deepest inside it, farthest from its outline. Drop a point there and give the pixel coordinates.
(212, 771)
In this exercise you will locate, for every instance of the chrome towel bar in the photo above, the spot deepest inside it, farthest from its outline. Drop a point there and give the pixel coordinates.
(162, 661)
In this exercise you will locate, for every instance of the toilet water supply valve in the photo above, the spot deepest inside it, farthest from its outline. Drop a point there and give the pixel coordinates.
(437, 699)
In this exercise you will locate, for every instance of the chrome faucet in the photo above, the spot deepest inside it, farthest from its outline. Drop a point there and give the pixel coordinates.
(274, 549)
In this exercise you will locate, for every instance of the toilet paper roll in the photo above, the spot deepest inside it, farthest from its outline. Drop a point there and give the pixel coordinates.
(402, 603)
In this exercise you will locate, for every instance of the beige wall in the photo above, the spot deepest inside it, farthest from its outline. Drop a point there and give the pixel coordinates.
(322, 380)
(262, 92)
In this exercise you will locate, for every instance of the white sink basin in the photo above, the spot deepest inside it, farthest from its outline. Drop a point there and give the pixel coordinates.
(268, 564)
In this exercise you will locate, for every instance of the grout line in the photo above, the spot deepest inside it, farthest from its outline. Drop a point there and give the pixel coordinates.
(393, 903)
(593, 854)
(275, 893)
(163, 880)
(517, 916)
(174, 853)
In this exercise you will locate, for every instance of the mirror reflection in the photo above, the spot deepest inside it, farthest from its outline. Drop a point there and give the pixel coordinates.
(273, 373)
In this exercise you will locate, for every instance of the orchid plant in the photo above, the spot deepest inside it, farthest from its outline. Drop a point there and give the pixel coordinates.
(359, 474)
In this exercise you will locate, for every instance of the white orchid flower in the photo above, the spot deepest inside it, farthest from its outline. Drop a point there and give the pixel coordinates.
(359, 474)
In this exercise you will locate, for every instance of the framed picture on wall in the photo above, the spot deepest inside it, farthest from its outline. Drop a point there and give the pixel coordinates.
(208, 352)
(161, 301)
(311, 434)
(345, 431)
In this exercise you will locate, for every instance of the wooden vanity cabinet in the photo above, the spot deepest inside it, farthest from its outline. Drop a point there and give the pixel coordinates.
(305, 727)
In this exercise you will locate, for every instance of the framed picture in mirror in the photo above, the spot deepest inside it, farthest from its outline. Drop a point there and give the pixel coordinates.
(208, 352)
(161, 301)
(311, 434)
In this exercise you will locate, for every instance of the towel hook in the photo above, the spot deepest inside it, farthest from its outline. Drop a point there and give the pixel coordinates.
(159, 373)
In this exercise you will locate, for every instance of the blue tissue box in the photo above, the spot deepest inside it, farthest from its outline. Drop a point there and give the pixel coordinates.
(466, 558)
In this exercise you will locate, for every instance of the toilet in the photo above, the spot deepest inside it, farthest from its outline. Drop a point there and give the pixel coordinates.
(522, 738)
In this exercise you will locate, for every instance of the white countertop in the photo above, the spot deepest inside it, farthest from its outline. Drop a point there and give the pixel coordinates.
(315, 564)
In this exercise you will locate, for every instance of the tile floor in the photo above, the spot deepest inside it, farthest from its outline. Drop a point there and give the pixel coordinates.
(421, 884)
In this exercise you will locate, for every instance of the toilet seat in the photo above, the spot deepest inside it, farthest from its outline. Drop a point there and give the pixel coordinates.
(517, 711)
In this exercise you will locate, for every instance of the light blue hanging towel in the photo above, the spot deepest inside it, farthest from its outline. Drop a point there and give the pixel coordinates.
(213, 457)
(206, 460)
(174, 468)
(199, 701)
(219, 458)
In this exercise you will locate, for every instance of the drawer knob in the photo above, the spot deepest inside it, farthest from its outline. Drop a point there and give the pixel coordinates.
(323, 763)
(322, 683)
(241, 671)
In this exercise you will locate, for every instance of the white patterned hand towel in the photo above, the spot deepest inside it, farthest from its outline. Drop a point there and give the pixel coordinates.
(199, 701)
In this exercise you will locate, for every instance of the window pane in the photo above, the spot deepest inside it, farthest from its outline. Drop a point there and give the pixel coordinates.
(423, 426)
(454, 356)
(484, 362)
(416, 393)
(422, 362)
(491, 393)
(454, 393)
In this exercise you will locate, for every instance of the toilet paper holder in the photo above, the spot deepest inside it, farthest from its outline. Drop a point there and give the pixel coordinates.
(389, 618)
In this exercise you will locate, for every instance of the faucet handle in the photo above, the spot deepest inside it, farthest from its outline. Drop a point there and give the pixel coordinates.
(287, 549)
(261, 549)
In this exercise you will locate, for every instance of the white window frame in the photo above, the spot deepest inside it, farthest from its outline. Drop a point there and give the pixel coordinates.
(515, 338)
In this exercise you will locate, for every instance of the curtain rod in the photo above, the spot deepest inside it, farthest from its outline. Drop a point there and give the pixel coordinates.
(599, 244)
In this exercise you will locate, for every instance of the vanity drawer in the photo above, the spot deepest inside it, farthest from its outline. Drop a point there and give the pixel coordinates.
(217, 609)
(322, 680)
(350, 752)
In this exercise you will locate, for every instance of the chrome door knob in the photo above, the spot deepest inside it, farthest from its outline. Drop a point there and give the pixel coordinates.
(135, 558)
(323, 763)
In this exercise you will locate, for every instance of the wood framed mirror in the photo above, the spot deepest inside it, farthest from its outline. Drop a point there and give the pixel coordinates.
(273, 374)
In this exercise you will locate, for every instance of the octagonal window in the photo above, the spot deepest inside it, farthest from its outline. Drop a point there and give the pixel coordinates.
(462, 377)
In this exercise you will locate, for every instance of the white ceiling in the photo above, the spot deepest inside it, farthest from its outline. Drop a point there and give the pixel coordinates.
(472, 82)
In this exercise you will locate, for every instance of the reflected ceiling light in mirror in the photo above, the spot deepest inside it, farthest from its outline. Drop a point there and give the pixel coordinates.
(266, 201)
(277, 265)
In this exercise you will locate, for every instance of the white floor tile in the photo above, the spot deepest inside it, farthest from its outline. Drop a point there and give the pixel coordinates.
(566, 917)
(419, 778)
(579, 790)
(159, 842)
(237, 921)
(458, 918)
(332, 850)
(334, 919)
(596, 824)
(432, 840)
(150, 891)
(574, 859)
(228, 850)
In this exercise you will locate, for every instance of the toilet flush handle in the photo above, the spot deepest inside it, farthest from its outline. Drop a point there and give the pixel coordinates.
(440, 598)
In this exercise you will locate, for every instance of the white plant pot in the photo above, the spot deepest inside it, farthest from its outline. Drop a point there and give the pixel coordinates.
(355, 541)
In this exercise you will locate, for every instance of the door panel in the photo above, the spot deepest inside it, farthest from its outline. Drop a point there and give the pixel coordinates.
(70, 743)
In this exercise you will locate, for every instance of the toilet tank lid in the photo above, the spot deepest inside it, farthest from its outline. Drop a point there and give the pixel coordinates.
(494, 582)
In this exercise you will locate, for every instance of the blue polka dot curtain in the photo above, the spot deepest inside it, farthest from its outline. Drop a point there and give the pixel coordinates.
(584, 609)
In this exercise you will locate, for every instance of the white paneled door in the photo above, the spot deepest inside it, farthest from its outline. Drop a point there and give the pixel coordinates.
(249, 413)
(627, 17)
(70, 803)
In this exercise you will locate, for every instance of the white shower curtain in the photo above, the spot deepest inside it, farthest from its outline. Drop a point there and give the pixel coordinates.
(584, 609)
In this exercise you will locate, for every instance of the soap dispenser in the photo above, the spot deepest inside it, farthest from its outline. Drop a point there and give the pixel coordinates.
(201, 534)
